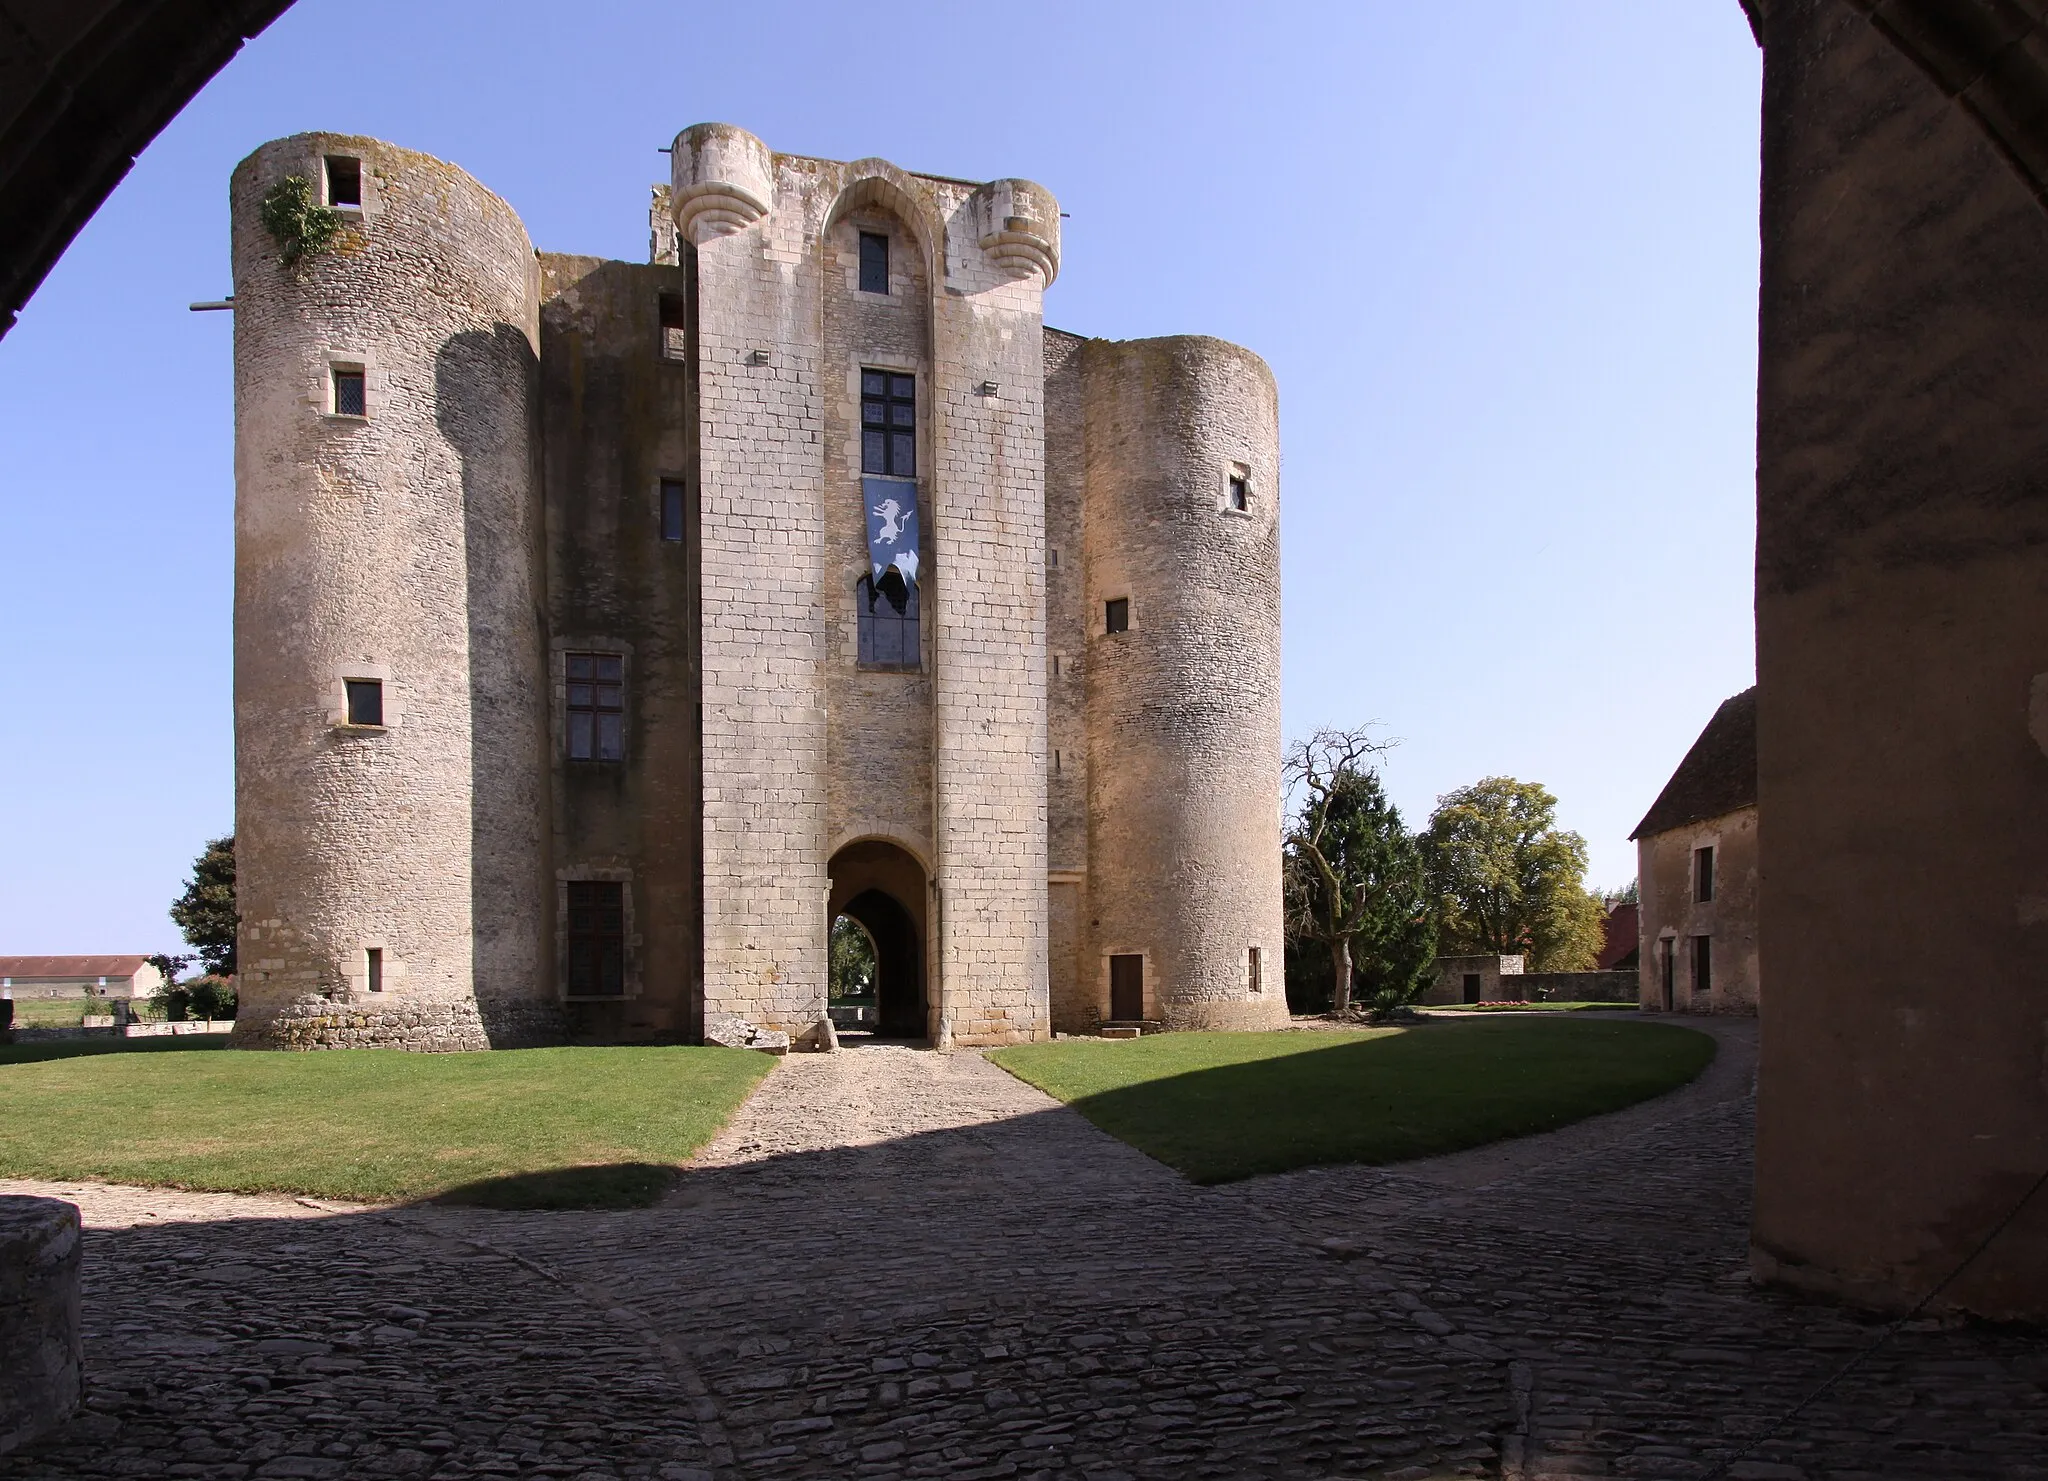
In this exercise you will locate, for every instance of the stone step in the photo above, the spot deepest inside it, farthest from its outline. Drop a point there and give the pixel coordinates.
(1128, 1028)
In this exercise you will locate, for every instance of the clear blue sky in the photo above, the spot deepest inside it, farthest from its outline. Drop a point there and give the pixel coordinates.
(1501, 255)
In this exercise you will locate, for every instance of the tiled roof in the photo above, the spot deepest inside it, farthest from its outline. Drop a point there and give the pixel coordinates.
(1717, 776)
(1620, 929)
(71, 966)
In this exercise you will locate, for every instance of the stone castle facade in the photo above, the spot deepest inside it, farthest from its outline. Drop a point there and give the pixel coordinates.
(602, 630)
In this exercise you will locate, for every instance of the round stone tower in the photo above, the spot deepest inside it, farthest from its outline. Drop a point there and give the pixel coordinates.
(390, 680)
(1180, 521)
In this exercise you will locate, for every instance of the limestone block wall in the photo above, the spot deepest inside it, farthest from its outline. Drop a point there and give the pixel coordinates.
(400, 546)
(616, 423)
(1070, 988)
(801, 751)
(878, 777)
(988, 605)
(1183, 709)
(1902, 680)
(761, 422)
(1671, 916)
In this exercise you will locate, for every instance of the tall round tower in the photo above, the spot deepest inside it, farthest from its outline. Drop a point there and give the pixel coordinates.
(1181, 524)
(390, 680)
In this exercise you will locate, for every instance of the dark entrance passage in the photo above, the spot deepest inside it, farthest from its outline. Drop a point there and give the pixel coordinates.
(1126, 988)
(881, 886)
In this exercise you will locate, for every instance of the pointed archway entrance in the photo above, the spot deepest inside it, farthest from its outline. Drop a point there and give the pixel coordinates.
(882, 886)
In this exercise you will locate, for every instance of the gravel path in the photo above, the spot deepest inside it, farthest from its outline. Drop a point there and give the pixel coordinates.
(895, 1263)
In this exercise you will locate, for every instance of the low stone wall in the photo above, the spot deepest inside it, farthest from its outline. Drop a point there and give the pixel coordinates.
(1572, 987)
(40, 1350)
(126, 1030)
(321, 1023)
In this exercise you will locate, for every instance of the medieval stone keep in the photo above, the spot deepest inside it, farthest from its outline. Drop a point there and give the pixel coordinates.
(603, 630)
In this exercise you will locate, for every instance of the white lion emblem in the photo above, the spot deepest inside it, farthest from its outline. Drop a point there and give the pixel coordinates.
(891, 515)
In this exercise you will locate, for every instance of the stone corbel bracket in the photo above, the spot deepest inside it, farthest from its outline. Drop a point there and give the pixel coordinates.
(1020, 228)
(722, 181)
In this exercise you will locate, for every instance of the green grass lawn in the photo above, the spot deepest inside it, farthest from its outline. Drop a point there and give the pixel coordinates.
(1218, 1107)
(59, 1012)
(1532, 1007)
(528, 1128)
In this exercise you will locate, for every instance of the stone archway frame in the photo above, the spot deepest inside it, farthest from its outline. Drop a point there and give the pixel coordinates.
(876, 862)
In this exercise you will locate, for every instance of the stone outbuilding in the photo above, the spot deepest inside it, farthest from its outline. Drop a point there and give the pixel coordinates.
(605, 629)
(131, 977)
(1696, 860)
(1470, 979)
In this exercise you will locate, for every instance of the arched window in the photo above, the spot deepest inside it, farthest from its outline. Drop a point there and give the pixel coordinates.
(887, 611)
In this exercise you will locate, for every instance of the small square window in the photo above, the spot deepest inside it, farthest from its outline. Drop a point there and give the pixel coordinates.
(874, 262)
(597, 707)
(886, 623)
(888, 424)
(344, 181)
(1240, 493)
(1116, 615)
(672, 510)
(675, 327)
(349, 397)
(365, 701)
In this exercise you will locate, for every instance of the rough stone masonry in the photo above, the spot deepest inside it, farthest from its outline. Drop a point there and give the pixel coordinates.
(570, 689)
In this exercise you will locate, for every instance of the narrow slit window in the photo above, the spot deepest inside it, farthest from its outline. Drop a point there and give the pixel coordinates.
(1702, 966)
(675, 327)
(886, 614)
(597, 938)
(344, 181)
(672, 510)
(1116, 615)
(874, 262)
(349, 397)
(365, 701)
(1240, 493)
(373, 959)
(1254, 973)
(1703, 874)
(597, 707)
(888, 423)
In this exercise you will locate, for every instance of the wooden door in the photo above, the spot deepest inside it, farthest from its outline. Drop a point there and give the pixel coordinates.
(1126, 988)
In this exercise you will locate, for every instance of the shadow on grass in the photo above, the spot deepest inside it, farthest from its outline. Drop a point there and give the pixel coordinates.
(1279, 1104)
(608, 1185)
(74, 1048)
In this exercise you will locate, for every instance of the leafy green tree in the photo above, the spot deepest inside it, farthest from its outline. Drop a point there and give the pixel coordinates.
(853, 963)
(1629, 894)
(1508, 880)
(169, 966)
(206, 911)
(1352, 875)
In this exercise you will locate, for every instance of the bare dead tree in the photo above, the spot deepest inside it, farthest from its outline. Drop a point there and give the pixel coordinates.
(1327, 907)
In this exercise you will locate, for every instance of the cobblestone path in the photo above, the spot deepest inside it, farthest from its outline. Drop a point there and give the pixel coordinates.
(895, 1263)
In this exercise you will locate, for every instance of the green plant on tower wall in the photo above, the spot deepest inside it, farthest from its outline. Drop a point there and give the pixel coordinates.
(300, 225)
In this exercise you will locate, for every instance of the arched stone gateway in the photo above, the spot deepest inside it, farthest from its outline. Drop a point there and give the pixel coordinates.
(883, 887)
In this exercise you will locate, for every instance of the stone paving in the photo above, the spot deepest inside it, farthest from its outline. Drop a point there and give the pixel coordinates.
(895, 1263)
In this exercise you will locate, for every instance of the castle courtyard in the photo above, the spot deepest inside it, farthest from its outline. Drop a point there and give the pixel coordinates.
(900, 1263)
